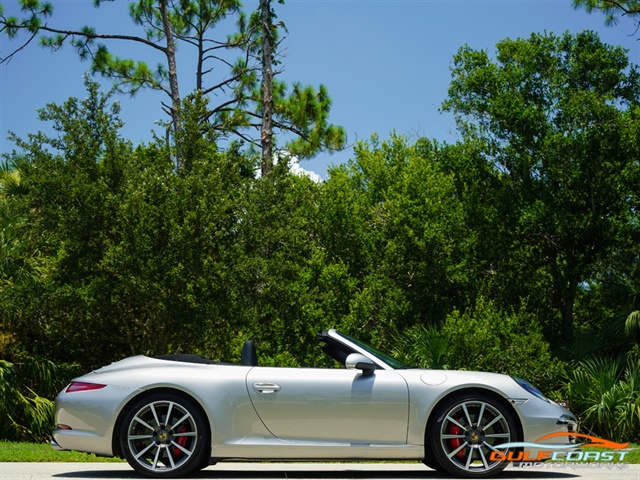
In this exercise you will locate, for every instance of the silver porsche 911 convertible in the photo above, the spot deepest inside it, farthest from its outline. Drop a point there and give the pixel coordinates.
(173, 415)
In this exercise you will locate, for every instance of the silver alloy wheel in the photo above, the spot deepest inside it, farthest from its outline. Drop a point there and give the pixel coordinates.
(162, 436)
(469, 432)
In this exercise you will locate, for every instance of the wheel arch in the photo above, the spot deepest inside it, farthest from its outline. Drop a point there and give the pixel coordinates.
(115, 437)
(470, 391)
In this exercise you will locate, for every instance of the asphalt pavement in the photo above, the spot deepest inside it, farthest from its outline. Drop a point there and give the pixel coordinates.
(311, 471)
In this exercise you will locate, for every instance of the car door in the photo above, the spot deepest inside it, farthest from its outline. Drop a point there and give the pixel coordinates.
(331, 405)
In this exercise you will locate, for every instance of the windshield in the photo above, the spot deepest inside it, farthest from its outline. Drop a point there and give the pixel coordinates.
(392, 362)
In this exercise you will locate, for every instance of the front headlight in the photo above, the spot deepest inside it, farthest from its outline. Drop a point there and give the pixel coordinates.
(535, 391)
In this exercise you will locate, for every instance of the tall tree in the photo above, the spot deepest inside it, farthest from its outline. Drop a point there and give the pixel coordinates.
(557, 122)
(228, 68)
(303, 112)
(163, 23)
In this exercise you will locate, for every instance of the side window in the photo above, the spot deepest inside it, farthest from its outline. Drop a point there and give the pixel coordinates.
(338, 352)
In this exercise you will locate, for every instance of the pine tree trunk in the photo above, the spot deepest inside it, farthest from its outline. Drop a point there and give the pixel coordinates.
(170, 52)
(266, 138)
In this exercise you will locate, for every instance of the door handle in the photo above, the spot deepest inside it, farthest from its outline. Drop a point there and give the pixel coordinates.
(266, 388)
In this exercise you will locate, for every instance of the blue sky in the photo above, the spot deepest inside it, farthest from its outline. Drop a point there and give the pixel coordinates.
(385, 63)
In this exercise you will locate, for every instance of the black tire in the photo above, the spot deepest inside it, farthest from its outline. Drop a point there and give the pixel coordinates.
(463, 435)
(430, 461)
(165, 435)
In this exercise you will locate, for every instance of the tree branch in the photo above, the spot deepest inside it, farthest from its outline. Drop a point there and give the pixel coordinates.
(8, 58)
(91, 36)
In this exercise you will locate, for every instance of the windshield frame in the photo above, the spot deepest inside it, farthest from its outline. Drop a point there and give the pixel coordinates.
(384, 359)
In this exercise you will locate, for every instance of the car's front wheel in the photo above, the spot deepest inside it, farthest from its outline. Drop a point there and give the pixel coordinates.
(165, 435)
(466, 435)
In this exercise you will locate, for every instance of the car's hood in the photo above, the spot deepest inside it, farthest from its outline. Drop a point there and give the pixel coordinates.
(446, 380)
(436, 377)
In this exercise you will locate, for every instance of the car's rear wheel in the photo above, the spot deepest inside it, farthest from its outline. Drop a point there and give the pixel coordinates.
(165, 435)
(466, 433)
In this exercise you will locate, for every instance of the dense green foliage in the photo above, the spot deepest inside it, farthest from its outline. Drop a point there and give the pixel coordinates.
(502, 252)
(487, 338)
(26, 390)
(556, 123)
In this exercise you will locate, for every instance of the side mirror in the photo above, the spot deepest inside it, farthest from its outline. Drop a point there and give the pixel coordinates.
(357, 361)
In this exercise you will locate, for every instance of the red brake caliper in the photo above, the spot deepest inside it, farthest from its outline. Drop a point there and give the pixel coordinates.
(456, 442)
(182, 441)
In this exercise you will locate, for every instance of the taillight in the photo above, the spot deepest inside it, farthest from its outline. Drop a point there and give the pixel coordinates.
(83, 387)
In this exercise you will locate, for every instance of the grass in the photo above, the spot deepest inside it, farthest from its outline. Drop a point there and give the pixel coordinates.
(42, 452)
(632, 457)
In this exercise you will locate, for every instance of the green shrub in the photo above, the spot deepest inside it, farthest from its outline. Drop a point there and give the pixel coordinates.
(424, 347)
(605, 394)
(486, 338)
(26, 393)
